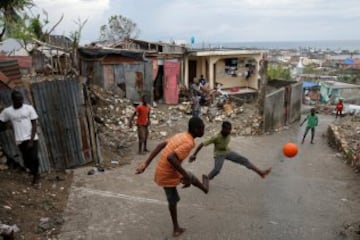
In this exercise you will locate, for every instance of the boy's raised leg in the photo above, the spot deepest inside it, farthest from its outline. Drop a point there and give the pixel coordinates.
(204, 186)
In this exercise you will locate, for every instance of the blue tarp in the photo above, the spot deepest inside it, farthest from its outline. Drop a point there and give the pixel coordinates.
(349, 61)
(308, 84)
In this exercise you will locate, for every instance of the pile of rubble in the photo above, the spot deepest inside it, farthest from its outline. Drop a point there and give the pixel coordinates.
(345, 136)
(112, 114)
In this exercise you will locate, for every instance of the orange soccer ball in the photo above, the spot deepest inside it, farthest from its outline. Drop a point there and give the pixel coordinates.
(290, 149)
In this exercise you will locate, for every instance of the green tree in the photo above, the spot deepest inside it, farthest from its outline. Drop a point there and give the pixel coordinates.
(26, 28)
(310, 70)
(119, 28)
(278, 72)
(10, 14)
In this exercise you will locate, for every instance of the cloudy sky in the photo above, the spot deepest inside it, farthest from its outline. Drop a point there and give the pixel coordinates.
(214, 20)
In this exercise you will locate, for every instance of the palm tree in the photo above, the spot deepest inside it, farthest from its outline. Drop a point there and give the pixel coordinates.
(10, 13)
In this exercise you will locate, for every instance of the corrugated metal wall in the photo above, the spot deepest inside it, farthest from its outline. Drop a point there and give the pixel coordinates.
(40, 61)
(274, 110)
(282, 107)
(149, 81)
(295, 103)
(133, 92)
(108, 76)
(7, 138)
(62, 114)
(119, 71)
(93, 71)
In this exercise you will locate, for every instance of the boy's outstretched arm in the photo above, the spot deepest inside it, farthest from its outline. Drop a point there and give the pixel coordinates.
(141, 168)
(193, 156)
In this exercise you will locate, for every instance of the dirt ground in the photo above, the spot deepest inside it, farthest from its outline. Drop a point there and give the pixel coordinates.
(36, 212)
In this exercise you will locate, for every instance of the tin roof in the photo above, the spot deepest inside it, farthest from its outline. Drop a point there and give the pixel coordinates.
(101, 52)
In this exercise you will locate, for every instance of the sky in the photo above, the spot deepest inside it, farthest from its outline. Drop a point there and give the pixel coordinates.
(211, 21)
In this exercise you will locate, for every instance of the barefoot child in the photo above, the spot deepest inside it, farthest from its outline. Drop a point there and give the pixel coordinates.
(222, 152)
(312, 121)
(143, 121)
(169, 172)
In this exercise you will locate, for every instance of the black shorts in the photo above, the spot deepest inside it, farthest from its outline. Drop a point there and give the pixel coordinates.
(172, 195)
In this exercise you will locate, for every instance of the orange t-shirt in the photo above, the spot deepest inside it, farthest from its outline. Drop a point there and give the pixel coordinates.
(181, 144)
(142, 115)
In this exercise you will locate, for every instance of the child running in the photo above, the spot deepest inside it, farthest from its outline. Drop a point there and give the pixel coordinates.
(222, 152)
(169, 172)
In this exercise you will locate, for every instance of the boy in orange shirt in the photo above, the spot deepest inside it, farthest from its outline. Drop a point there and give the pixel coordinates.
(169, 172)
(143, 121)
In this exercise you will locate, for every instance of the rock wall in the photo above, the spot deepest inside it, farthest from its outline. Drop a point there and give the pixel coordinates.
(345, 137)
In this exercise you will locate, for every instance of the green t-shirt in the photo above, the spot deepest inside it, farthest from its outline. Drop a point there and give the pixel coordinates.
(220, 144)
(312, 120)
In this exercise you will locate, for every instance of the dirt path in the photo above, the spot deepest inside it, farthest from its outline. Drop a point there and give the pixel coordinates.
(312, 196)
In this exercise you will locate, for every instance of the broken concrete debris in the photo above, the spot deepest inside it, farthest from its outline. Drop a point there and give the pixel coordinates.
(112, 114)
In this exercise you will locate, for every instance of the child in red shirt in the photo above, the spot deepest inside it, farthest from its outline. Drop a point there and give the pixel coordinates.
(143, 121)
(339, 108)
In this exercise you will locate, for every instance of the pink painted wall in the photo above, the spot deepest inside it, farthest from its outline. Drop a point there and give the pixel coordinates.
(171, 83)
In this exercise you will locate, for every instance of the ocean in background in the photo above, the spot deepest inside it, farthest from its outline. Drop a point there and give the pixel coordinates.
(335, 45)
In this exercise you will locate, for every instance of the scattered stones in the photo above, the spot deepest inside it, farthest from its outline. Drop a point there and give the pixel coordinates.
(344, 137)
(112, 115)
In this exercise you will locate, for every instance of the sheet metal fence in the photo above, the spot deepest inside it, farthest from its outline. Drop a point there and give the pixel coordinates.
(67, 136)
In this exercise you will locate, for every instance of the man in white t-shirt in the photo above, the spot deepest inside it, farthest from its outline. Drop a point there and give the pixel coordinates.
(23, 118)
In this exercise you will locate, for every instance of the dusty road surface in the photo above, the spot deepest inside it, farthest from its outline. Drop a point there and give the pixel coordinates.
(312, 196)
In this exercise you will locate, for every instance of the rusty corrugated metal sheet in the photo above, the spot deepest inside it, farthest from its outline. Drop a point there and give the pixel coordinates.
(3, 77)
(93, 71)
(7, 139)
(3, 80)
(109, 81)
(10, 68)
(59, 105)
(114, 59)
(23, 61)
(115, 70)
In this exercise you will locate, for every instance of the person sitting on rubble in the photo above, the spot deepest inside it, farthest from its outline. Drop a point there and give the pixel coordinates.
(195, 89)
(202, 81)
(203, 85)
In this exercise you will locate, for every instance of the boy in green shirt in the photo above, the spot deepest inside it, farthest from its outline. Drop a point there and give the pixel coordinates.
(312, 122)
(222, 152)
